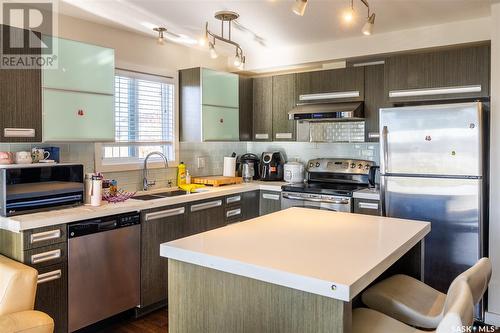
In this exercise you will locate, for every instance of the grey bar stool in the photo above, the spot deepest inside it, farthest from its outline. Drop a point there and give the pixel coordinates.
(415, 303)
(458, 312)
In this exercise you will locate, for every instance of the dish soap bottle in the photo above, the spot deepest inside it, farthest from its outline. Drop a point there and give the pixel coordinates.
(181, 174)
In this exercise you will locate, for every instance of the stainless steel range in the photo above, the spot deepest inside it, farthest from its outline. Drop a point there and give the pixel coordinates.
(330, 184)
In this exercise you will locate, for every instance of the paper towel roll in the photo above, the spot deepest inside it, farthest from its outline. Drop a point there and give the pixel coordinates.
(229, 167)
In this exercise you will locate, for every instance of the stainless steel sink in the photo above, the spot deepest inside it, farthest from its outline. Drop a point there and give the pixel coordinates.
(160, 195)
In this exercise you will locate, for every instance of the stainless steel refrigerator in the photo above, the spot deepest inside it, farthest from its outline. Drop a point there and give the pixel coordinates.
(433, 161)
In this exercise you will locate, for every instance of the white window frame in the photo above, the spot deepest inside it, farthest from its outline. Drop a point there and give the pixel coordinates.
(138, 163)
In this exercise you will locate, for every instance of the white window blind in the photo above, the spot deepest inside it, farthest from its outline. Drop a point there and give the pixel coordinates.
(144, 118)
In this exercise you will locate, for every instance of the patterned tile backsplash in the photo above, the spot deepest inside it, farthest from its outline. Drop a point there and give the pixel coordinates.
(206, 158)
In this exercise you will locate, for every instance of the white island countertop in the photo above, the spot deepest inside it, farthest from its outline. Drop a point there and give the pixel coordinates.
(332, 254)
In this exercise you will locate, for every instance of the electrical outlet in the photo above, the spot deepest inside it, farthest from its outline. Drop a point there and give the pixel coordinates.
(201, 162)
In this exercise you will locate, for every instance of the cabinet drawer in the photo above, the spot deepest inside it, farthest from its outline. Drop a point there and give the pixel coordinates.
(52, 295)
(46, 256)
(232, 200)
(73, 116)
(81, 67)
(41, 237)
(234, 214)
(220, 123)
(367, 207)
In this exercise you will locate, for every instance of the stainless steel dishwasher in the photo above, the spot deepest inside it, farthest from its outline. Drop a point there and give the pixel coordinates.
(103, 268)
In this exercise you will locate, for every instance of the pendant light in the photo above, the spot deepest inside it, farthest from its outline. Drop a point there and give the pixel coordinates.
(348, 15)
(161, 37)
(212, 50)
(368, 27)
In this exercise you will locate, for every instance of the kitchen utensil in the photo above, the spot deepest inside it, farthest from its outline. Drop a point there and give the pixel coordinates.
(248, 172)
(39, 154)
(271, 166)
(216, 180)
(293, 172)
(248, 159)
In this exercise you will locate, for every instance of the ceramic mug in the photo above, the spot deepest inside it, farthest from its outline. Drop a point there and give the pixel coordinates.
(23, 157)
(38, 154)
(6, 157)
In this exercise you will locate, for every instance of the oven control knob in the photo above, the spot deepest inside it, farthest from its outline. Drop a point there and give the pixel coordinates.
(311, 165)
(353, 165)
(360, 166)
(317, 164)
(367, 167)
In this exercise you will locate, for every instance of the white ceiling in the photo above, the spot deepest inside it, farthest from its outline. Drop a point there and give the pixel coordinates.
(272, 21)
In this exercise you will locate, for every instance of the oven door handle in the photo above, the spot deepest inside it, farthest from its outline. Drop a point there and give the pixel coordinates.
(337, 202)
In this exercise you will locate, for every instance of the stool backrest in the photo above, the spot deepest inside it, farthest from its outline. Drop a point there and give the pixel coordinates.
(458, 310)
(478, 277)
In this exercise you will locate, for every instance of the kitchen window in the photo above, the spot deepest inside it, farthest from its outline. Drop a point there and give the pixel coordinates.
(145, 121)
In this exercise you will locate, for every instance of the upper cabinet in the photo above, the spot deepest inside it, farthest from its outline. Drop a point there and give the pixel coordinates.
(219, 88)
(263, 108)
(246, 108)
(283, 101)
(209, 105)
(455, 73)
(81, 67)
(78, 95)
(20, 101)
(335, 85)
(374, 100)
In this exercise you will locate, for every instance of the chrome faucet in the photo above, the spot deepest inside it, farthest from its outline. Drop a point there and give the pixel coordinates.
(146, 184)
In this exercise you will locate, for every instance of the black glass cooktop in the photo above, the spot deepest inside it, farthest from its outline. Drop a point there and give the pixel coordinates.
(323, 188)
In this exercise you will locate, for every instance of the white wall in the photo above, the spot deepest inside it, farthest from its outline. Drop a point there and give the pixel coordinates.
(383, 43)
(493, 316)
(136, 51)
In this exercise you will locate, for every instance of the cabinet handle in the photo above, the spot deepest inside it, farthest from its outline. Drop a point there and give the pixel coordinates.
(44, 236)
(233, 212)
(206, 205)
(283, 135)
(373, 135)
(19, 132)
(49, 276)
(271, 196)
(262, 136)
(45, 256)
(368, 205)
(236, 198)
(165, 213)
(435, 91)
(329, 95)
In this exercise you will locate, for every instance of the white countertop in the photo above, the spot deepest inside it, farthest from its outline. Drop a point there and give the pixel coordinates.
(66, 215)
(304, 249)
(367, 194)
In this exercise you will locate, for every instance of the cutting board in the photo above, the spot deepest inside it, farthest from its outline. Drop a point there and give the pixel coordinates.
(217, 180)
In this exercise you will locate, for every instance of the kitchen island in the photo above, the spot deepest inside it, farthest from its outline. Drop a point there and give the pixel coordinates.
(296, 270)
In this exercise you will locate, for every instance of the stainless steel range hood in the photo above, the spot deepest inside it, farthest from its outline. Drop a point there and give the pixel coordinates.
(351, 111)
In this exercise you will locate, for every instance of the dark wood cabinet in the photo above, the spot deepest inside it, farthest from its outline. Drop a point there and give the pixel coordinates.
(283, 101)
(262, 109)
(52, 294)
(451, 68)
(246, 108)
(20, 99)
(269, 202)
(374, 99)
(250, 205)
(205, 215)
(350, 79)
(367, 207)
(158, 226)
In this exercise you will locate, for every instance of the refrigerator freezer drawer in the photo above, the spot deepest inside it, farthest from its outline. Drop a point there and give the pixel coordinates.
(453, 206)
(432, 140)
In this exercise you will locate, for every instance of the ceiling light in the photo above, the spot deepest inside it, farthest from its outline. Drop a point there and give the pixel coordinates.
(348, 14)
(161, 37)
(224, 16)
(242, 65)
(299, 7)
(368, 27)
(213, 52)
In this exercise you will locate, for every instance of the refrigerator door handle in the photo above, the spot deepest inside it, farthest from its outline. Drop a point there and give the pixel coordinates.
(385, 147)
(382, 196)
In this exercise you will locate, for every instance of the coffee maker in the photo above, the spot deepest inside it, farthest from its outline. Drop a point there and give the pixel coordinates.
(271, 166)
(250, 159)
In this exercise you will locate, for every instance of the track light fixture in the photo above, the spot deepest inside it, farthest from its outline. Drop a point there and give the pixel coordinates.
(299, 7)
(210, 38)
(348, 16)
(161, 35)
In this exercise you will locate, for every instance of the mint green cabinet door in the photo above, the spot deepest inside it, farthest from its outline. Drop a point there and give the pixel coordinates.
(73, 116)
(219, 88)
(81, 67)
(220, 123)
